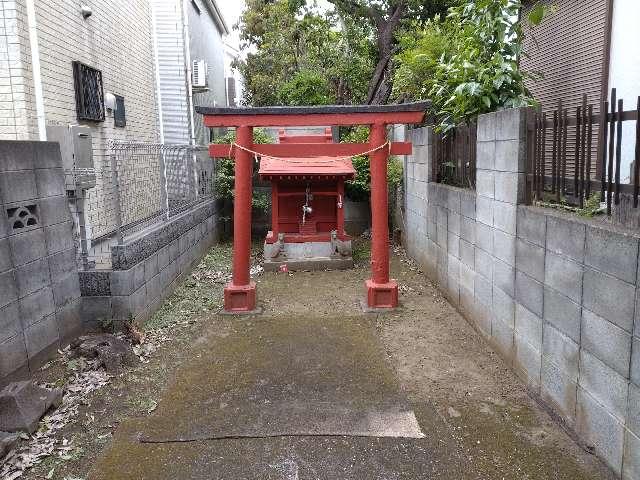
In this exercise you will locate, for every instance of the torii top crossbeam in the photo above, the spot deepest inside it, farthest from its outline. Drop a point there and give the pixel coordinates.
(240, 294)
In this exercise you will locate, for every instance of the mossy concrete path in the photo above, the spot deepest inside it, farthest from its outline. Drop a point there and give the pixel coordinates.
(316, 389)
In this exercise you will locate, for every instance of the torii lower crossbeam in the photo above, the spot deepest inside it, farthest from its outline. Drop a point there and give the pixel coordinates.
(382, 292)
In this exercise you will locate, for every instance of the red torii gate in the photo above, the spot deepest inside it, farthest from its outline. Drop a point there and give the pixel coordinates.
(382, 292)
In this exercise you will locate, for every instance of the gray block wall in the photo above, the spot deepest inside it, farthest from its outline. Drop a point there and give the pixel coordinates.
(39, 287)
(556, 295)
(147, 270)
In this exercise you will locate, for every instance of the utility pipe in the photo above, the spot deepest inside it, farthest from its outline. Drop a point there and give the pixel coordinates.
(35, 66)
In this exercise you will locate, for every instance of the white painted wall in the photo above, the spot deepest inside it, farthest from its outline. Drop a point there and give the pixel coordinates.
(624, 71)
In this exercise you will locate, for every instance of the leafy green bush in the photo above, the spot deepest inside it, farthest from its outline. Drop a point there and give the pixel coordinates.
(225, 176)
(306, 88)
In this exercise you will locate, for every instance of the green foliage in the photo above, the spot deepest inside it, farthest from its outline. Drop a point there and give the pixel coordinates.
(225, 177)
(359, 188)
(299, 55)
(467, 63)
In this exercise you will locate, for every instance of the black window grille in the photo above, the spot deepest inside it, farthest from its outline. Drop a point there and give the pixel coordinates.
(89, 92)
(119, 114)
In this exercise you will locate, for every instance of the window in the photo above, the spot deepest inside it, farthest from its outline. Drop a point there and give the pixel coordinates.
(119, 114)
(89, 92)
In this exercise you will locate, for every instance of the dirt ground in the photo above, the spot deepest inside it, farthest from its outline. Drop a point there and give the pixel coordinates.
(476, 413)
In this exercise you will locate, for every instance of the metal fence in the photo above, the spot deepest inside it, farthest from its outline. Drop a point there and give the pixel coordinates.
(565, 165)
(137, 187)
(454, 156)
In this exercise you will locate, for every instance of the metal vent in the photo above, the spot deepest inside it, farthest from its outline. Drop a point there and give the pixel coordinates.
(119, 113)
(89, 92)
(199, 74)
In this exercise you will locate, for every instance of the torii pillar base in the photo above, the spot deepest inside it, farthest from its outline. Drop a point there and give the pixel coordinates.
(240, 298)
(382, 295)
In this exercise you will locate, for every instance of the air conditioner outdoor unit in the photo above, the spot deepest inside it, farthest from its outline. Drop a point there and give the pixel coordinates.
(199, 74)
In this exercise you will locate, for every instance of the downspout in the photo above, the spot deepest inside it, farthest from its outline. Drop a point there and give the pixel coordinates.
(187, 59)
(157, 62)
(35, 65)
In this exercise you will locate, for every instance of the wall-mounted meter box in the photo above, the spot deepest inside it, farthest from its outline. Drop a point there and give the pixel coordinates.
(77, 154)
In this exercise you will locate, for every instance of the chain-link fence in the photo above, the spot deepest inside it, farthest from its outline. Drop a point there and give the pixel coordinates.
(137, 187)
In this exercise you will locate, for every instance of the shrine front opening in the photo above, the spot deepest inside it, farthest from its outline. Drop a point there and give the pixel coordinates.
(382, 292)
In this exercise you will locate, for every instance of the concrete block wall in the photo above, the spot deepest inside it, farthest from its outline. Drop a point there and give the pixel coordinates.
(147, 270)
(556, 295)
(39, 286)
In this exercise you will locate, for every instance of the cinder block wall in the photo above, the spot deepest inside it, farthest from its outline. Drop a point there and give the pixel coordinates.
(39, 288)
(555, 295)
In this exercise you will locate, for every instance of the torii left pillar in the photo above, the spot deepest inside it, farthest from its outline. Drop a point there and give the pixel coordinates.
(240, 293)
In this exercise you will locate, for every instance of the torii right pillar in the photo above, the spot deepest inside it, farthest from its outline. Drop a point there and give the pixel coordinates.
(382, 292)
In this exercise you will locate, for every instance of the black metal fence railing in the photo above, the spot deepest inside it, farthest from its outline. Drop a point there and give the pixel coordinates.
(454, 156)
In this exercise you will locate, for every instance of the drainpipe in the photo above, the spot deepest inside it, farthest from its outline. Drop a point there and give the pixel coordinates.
(187, 59)
(155, 51)
(35, 65)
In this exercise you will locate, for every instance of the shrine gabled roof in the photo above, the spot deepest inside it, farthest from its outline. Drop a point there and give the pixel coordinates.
(316, 109)
(322, 167)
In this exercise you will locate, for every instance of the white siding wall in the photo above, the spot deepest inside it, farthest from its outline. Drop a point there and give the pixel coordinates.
(171, 67)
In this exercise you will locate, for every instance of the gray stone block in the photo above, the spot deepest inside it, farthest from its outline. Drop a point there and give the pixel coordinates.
(504, 247)
(13, 356)
(59, 237)
(42, 339)
(527, 362)
(558, 389)
(54, 210)
(487, 127)
(503, 339)
(50, 182)
(485, 183)
(485, 155)
(484, 237)
(184, 243)
(510, 156)
(63, 263)
(532, 225)
(484, 210)
(528, 326)
(441, 236)
(27, 247)
(22, 405)
(122, 282)
(5, 256)
(599, 428)
(610, 298)
(468, 204)
(631, 462)
(121, 308)
(138, 276)
(511, 123)
(529, 293)
(635, 361)
(561, 350)
(612, 252)
(431, 230)
(441, 216)
(70, 324)
(35, 306)
(509, 187)
(468, 229)
(96, 310)
(467, 253)
(563, 313)
(66, 290)
(608, 342)
(139, 300)
(467, 278)
(32, 276)
(17, 187)
(484, 264)
(566, 237)
(453, 200)
(633, 413)
(564, 275)
(8, 288)
(163, 257)
(453, 245)
(154, 289)
(151, 267)
(10, 324)
(483, 291)
(16, 155)
(453, 223)
(504, 277)
(604, 384)
(504, 217)
(47, 155)
(530, 259)
(503, 306)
